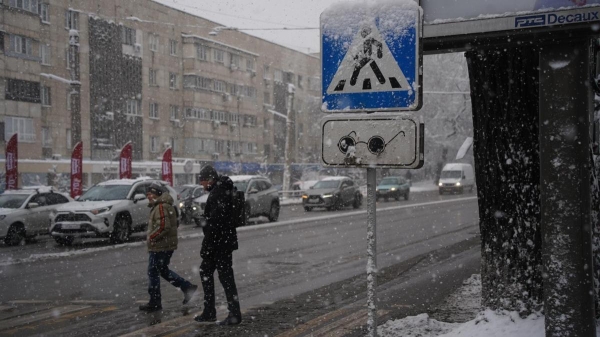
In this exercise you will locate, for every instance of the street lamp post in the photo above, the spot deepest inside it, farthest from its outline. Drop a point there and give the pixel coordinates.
(288, 136)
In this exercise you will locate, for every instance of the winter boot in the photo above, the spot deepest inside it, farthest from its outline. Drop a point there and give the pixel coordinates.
(149, 307)
(206, 318)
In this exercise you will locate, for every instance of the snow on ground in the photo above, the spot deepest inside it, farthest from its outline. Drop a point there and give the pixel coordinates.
(487, 323)
(423, 186)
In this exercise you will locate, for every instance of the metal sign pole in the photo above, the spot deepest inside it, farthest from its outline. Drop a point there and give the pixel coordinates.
(371, 253)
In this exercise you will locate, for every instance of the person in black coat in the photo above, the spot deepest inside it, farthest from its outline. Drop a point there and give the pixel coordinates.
(220, 240)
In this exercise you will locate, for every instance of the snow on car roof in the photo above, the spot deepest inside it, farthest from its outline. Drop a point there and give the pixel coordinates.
(453, 166)
(19, 191)
(242, 178)
(335, 178)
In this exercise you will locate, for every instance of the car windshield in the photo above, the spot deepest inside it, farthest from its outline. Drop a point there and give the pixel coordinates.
(106, 192)
(185, 192)
(327, 184)
(389, 181)
(241, 185)
(12, 200)
(451, 174)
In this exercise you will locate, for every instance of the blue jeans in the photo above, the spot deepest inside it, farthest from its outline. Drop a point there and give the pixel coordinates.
(158, 266)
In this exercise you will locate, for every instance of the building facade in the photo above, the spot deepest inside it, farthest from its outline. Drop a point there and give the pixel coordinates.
(106, 72)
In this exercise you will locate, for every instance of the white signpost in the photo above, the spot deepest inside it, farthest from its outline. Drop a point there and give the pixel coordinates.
(371, 62)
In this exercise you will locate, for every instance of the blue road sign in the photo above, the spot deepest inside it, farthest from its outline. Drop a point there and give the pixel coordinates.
(371, 58)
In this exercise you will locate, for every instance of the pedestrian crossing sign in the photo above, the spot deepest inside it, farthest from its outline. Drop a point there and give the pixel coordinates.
(371, 57)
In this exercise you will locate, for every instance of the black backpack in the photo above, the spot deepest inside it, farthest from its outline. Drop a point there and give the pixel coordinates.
(239, 208)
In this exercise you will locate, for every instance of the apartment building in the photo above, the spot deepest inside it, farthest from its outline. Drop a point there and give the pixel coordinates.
(111, 71)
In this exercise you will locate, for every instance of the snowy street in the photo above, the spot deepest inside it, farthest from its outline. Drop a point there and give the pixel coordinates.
(277, 265)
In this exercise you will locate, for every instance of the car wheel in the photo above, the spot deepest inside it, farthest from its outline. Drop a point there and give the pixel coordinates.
(397, 197)
(307, 209)
(356, 201)
(330, 208)
(64, 241)
(15, 235)
(121, 230)
(406, 196)
(274, 212)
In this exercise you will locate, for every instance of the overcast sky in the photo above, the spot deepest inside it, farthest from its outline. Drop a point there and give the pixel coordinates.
(264, 14)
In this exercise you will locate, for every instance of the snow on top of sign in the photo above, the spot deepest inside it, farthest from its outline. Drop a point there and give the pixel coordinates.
(394, 15)
(503, 15)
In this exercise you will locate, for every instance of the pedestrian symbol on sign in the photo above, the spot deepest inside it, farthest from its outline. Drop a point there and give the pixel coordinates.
(383, 74)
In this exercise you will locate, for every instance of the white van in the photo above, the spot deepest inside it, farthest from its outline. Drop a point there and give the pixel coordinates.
(456, 177)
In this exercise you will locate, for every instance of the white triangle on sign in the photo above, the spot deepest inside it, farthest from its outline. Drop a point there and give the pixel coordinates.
(368, 66)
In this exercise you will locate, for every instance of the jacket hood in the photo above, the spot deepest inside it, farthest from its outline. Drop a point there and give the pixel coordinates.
(224, 182)
(165, 198)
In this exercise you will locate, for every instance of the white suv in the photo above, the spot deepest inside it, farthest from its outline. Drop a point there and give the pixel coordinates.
(113, 209)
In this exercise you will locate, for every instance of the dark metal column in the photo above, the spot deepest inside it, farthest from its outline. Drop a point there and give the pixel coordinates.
(566, 104)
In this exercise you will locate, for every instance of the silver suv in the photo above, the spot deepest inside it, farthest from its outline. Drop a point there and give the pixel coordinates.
(113, 209)
(261, 197)
(24, 213)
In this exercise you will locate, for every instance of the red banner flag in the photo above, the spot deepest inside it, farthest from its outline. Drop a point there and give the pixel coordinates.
(125, 162)
(12, 163)
(167, 166)
(77, 170)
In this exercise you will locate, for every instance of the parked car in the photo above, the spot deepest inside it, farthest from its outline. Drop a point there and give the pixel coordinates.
(261, 196)
(456, 177)
(393, 187)
(24, 213)
(332, 193)
(113, 209)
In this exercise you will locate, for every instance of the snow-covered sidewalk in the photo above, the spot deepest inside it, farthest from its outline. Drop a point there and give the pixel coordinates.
(465, 302)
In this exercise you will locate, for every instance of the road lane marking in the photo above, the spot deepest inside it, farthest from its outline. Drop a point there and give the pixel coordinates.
(40, 316)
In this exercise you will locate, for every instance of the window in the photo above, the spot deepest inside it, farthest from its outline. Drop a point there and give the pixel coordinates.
(69, 144)
(152, 77)
(250, 120)
(72, 20)
(26, 5)
(45, 96)
(234, 118)
(153, 42)
(153, 112)
(202, 52)
(173, 47)
(266, 72)
(267, 97)
(45, 54)
(172, 141)
(22, 126)
(278, 76)
(289, 77)
(154, 144)
(20, 45)
(173, 112)
(300, 81)
(197, 113)
(236, 61)
(22, 91)
(219, 56)
(45, 13)
(196, 82)
(132, 107)
(68, 58)
(218, 116)
(127, 36)
(172, 81)
(250, 92)
(219, 86)
(250, 65)
(46, 137)
(69, 101)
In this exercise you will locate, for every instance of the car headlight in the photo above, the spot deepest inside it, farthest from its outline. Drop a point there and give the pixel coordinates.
(100, 210)
(327, 195)
(440, 184)
(392, 189)
(304, 196)
(376, 190)
(2, 217)
(181, 205)
(457, 184)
